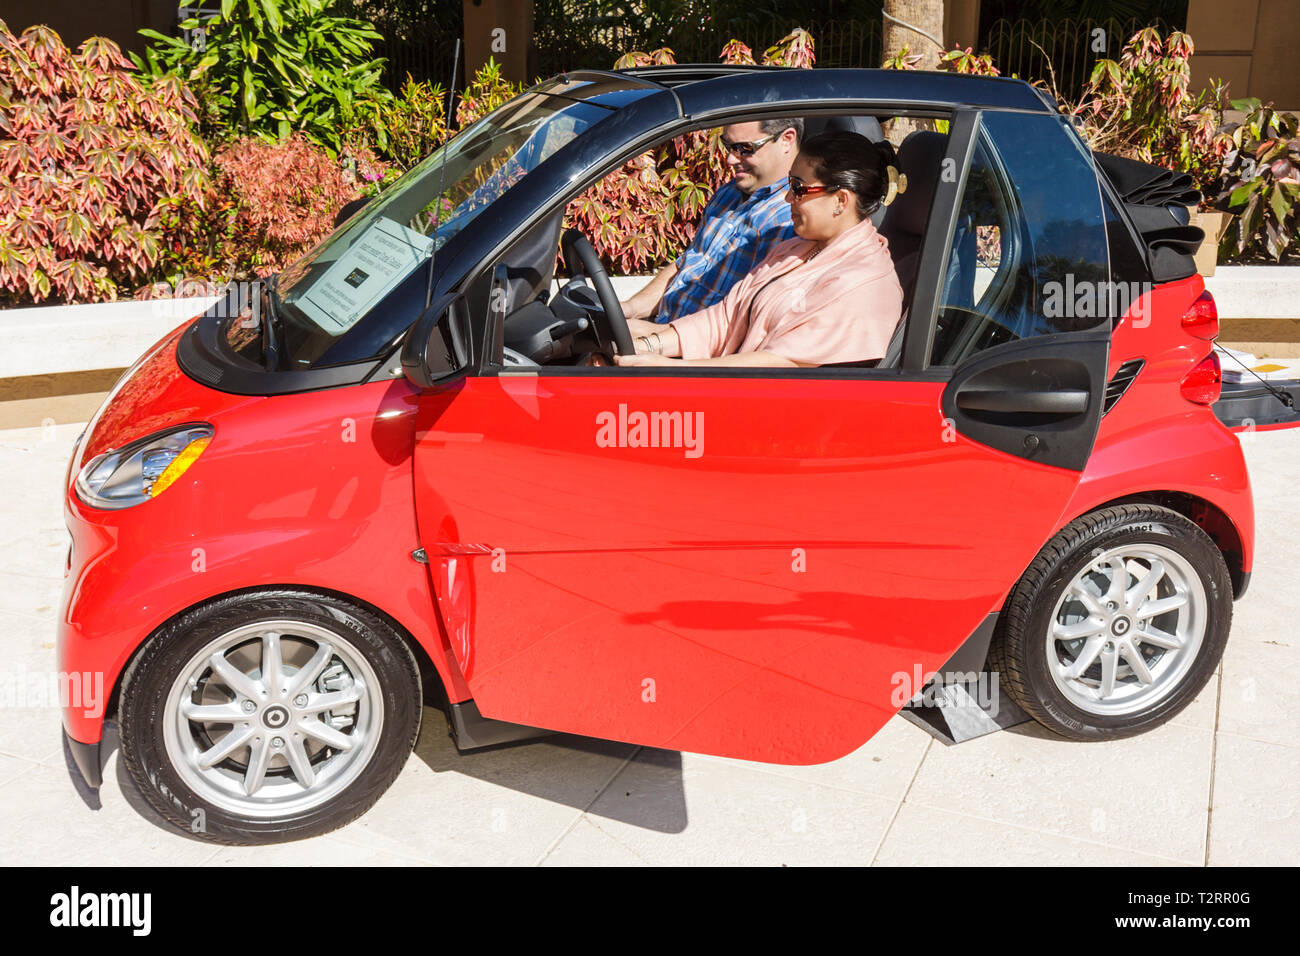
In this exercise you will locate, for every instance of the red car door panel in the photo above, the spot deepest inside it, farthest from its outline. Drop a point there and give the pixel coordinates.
(764, 598)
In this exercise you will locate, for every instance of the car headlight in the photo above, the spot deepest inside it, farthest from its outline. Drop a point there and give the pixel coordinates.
(143, 469)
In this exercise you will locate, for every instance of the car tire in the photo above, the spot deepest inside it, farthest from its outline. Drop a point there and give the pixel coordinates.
(1092, 659)
(269, 716)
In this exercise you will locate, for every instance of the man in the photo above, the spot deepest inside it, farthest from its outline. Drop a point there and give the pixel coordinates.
(741, 223)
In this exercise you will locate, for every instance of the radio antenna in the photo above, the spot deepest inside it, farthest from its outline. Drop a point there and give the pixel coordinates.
(442, 166)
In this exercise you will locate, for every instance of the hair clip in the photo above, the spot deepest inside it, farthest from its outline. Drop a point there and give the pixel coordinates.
(897, 186)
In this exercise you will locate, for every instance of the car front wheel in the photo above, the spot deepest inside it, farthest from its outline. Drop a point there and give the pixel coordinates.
(269, 716)
(1116, 625)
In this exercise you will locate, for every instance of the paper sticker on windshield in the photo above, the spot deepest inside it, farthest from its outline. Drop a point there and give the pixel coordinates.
(381, 257)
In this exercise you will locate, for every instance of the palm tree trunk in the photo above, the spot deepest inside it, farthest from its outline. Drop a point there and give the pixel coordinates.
(923, 15)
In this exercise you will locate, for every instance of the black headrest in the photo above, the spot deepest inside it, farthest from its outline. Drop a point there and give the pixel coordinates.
(867, 126)
(919, 159)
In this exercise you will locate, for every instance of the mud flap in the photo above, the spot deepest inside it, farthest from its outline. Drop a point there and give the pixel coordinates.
(963, 699)
(956, 712)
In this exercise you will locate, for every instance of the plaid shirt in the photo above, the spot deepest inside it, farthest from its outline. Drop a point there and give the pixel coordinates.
(735, 234)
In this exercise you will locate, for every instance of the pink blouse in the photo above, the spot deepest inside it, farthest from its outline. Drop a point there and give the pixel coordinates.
(840, 305)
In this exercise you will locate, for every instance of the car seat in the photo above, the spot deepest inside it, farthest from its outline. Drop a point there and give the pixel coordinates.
(920, 158)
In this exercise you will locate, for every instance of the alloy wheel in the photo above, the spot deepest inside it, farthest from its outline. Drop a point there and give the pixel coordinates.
(273, 718)
(1127, 629)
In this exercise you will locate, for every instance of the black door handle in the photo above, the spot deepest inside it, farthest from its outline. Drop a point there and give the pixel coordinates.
(1063, 401)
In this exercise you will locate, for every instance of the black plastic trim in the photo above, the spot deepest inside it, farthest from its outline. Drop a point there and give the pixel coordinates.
(1251, 403)
(470, 730)
(918, 335)
(705, 371)
(1119, 383)
(86, 757)
(974, 651)
(1243, 582)
(1044, 363)
(913, 87)
(200, 356)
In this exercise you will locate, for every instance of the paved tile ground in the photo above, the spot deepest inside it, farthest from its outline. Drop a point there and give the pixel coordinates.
(1218, 785)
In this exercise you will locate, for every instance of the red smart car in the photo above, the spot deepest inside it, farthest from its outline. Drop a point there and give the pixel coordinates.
(391, 474)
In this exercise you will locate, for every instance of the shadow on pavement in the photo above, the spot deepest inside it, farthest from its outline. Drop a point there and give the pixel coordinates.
(640, 786)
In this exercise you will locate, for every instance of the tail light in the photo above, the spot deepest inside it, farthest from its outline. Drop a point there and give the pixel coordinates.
(1201, 385)
(1202, 318)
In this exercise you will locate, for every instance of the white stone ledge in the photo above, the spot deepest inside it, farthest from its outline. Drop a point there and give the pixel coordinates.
(1256, 292)
(81, 338)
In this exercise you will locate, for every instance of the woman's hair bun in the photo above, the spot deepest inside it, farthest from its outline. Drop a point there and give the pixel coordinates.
(889, 155)
(847, 160)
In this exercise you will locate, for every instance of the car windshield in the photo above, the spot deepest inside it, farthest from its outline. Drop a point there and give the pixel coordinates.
(324, 298)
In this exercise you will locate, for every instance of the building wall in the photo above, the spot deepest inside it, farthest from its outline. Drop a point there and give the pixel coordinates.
(75, 20)
(1249, 43)
(961, 23)
(501, 30)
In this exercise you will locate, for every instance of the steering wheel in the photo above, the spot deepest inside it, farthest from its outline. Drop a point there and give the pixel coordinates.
(578, 253)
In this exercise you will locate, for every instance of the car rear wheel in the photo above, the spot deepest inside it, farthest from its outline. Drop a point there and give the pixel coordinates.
(269, 716)
(1116, 625)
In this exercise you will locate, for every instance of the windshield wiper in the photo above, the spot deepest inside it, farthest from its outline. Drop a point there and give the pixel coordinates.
(270, 334)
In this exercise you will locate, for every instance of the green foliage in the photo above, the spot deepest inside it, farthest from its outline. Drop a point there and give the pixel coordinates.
(487, 91)
(904, 59)
(92, 160)
(268, 68)
(1141, 107)
(965, 60)
(1261, 184)
(957, 60)
(412, 124)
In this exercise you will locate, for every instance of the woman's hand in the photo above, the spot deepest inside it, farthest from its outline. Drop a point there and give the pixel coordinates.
(641, 327)
(761, 359)
(646, 358)
(649, 338)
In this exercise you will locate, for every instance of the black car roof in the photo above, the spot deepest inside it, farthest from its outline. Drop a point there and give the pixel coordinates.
(712, 85)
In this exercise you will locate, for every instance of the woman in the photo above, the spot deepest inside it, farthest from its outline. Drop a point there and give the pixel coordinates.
(828, 295)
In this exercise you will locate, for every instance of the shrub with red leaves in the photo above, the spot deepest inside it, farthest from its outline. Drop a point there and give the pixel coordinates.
(285, 196)
(89, 152)
(1142, 107)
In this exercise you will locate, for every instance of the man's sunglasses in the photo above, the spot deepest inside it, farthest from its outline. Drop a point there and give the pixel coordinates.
(801, 189)
(748, 149)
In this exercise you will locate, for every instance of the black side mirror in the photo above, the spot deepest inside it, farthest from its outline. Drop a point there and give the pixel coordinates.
(350, 209)
(431, 353)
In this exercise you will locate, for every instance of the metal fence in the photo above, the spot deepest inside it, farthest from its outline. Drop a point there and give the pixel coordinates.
(1030, 49)
(559, 46)
(422, 56)
(1064, 49)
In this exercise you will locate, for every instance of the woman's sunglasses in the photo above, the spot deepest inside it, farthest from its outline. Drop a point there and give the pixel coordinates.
(801, 189)
(750, 148)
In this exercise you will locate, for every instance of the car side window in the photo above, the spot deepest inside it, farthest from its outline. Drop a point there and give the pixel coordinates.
(1028, 254)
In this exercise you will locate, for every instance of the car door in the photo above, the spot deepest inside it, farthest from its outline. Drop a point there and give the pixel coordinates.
(758, 563)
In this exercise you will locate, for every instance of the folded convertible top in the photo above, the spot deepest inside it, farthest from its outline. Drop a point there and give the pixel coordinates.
(1156, 202)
